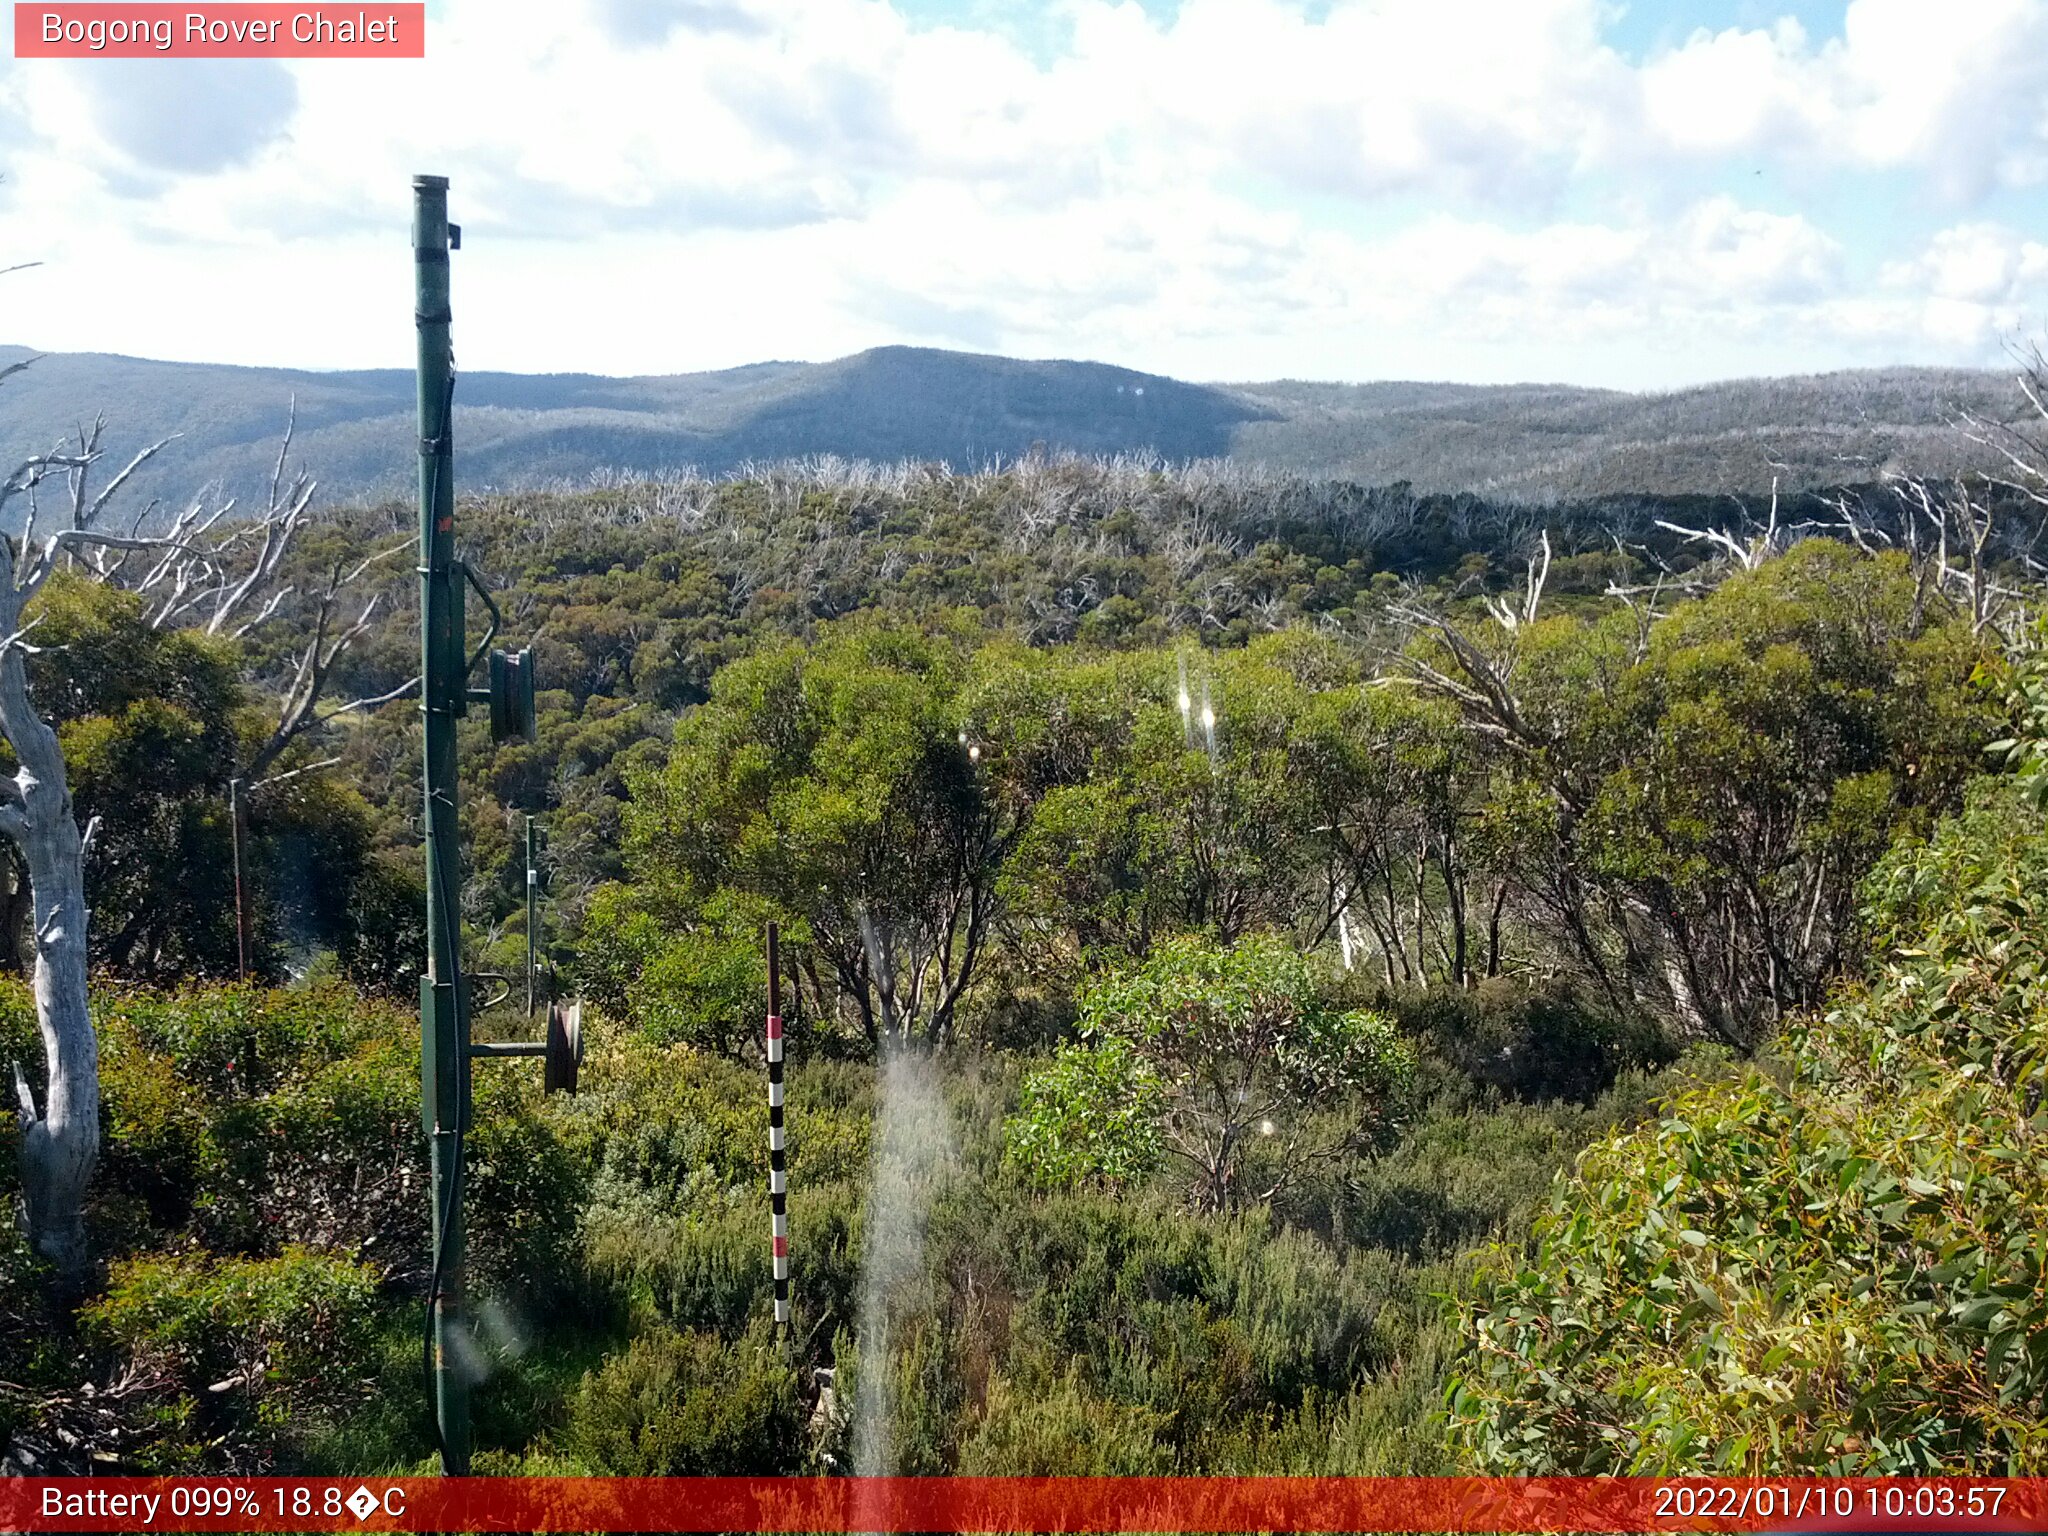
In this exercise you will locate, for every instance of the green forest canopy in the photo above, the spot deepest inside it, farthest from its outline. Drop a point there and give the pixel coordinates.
(1036, 770)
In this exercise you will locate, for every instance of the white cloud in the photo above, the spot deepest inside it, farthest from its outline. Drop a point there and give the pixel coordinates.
(1248, 186)
(1952, 93)
(1975, 263)
(1731, 92)
(1974, 287)
(197, 116)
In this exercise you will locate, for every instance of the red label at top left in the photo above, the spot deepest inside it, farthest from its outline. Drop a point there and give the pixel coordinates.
(240, 31)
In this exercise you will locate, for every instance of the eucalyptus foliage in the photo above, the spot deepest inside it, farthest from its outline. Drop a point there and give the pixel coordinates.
(1090, 1115)
(1843, 1271)
(1224, 1057)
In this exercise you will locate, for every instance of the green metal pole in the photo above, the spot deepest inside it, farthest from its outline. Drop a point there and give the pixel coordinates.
(444, 1001)
(532, 895)
(236, 831)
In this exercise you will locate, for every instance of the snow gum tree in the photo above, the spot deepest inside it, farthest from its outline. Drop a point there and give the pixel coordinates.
(205, 568)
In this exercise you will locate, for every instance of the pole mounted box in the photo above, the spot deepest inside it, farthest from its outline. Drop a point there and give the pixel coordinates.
(444, 1074)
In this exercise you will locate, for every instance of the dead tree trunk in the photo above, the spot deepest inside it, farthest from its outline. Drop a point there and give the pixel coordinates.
(217, 579)
(60, 1142)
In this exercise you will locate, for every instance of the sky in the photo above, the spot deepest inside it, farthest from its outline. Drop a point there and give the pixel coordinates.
(1638, 195)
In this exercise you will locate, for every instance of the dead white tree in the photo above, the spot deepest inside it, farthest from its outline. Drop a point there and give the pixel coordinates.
(1746, 550)
(1512, 617)
(59, 1140)
(205, 570)
(330, 633)
(2020, 445)
(1945, 531)
(208, 570)
(1945, 528)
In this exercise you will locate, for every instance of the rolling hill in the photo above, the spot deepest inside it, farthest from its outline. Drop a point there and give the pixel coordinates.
(1522, 442)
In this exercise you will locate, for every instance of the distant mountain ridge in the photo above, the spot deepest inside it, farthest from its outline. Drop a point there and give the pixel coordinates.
(1524, 442)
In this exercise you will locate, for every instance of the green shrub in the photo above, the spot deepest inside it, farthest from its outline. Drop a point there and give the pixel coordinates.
(1237, 1047)
(1064, 1432)
(1219, 1325)
(666, 1119)
(824, 1243)
(265, 1119)
(830, 1112)
(689, 1405)
(270, 1349)
(329, 1155)
(709, 1269)
(1308, 1316)
(678, 1204)
(235, 1041)
(154, 1124)
(32, 1353)
(705, 988)
(1090, 1116)
(1390, 1422)
(712, 1273)
(1470, 1170)
(1840, 1273)
(269, 1120)
(1534, 1043)
(923, 1391)
(21, 1043)
(526, 1191)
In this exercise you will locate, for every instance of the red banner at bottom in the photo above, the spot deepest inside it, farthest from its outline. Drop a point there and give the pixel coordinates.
(903, 1504)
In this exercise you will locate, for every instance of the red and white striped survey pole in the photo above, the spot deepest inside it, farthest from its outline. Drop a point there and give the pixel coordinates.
(778, 1176)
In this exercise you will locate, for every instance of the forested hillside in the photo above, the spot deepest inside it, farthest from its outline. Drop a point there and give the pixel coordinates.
(1218, 910)
(1528, 442)
(1535, 443)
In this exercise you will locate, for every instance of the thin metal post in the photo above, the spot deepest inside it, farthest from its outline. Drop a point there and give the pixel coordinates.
(532, 893)
(235, 835)
(444, 1000)
(778, 1176)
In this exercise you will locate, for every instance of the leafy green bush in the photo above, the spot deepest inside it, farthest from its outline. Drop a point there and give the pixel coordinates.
(153, 1146)
(329, 1155)
(705, 1272)
(700, 984)
(825, 1232)
(1236, 1046)
(669, 1120)
(234, 1041)
(923, 1391)
(689, 1405)
(526, 1190)
(1550, 1041)
(1064, 1432)
(1213, 1323)
(270, 1348)
(703, 989)
(677, 1207)
(265, 1120)
(30, 1350)
(383, 930)
(1842, 1273)
(1468, 1170)
(1090, 1116)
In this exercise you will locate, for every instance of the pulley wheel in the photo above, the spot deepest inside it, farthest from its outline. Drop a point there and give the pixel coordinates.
(565, 1047)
